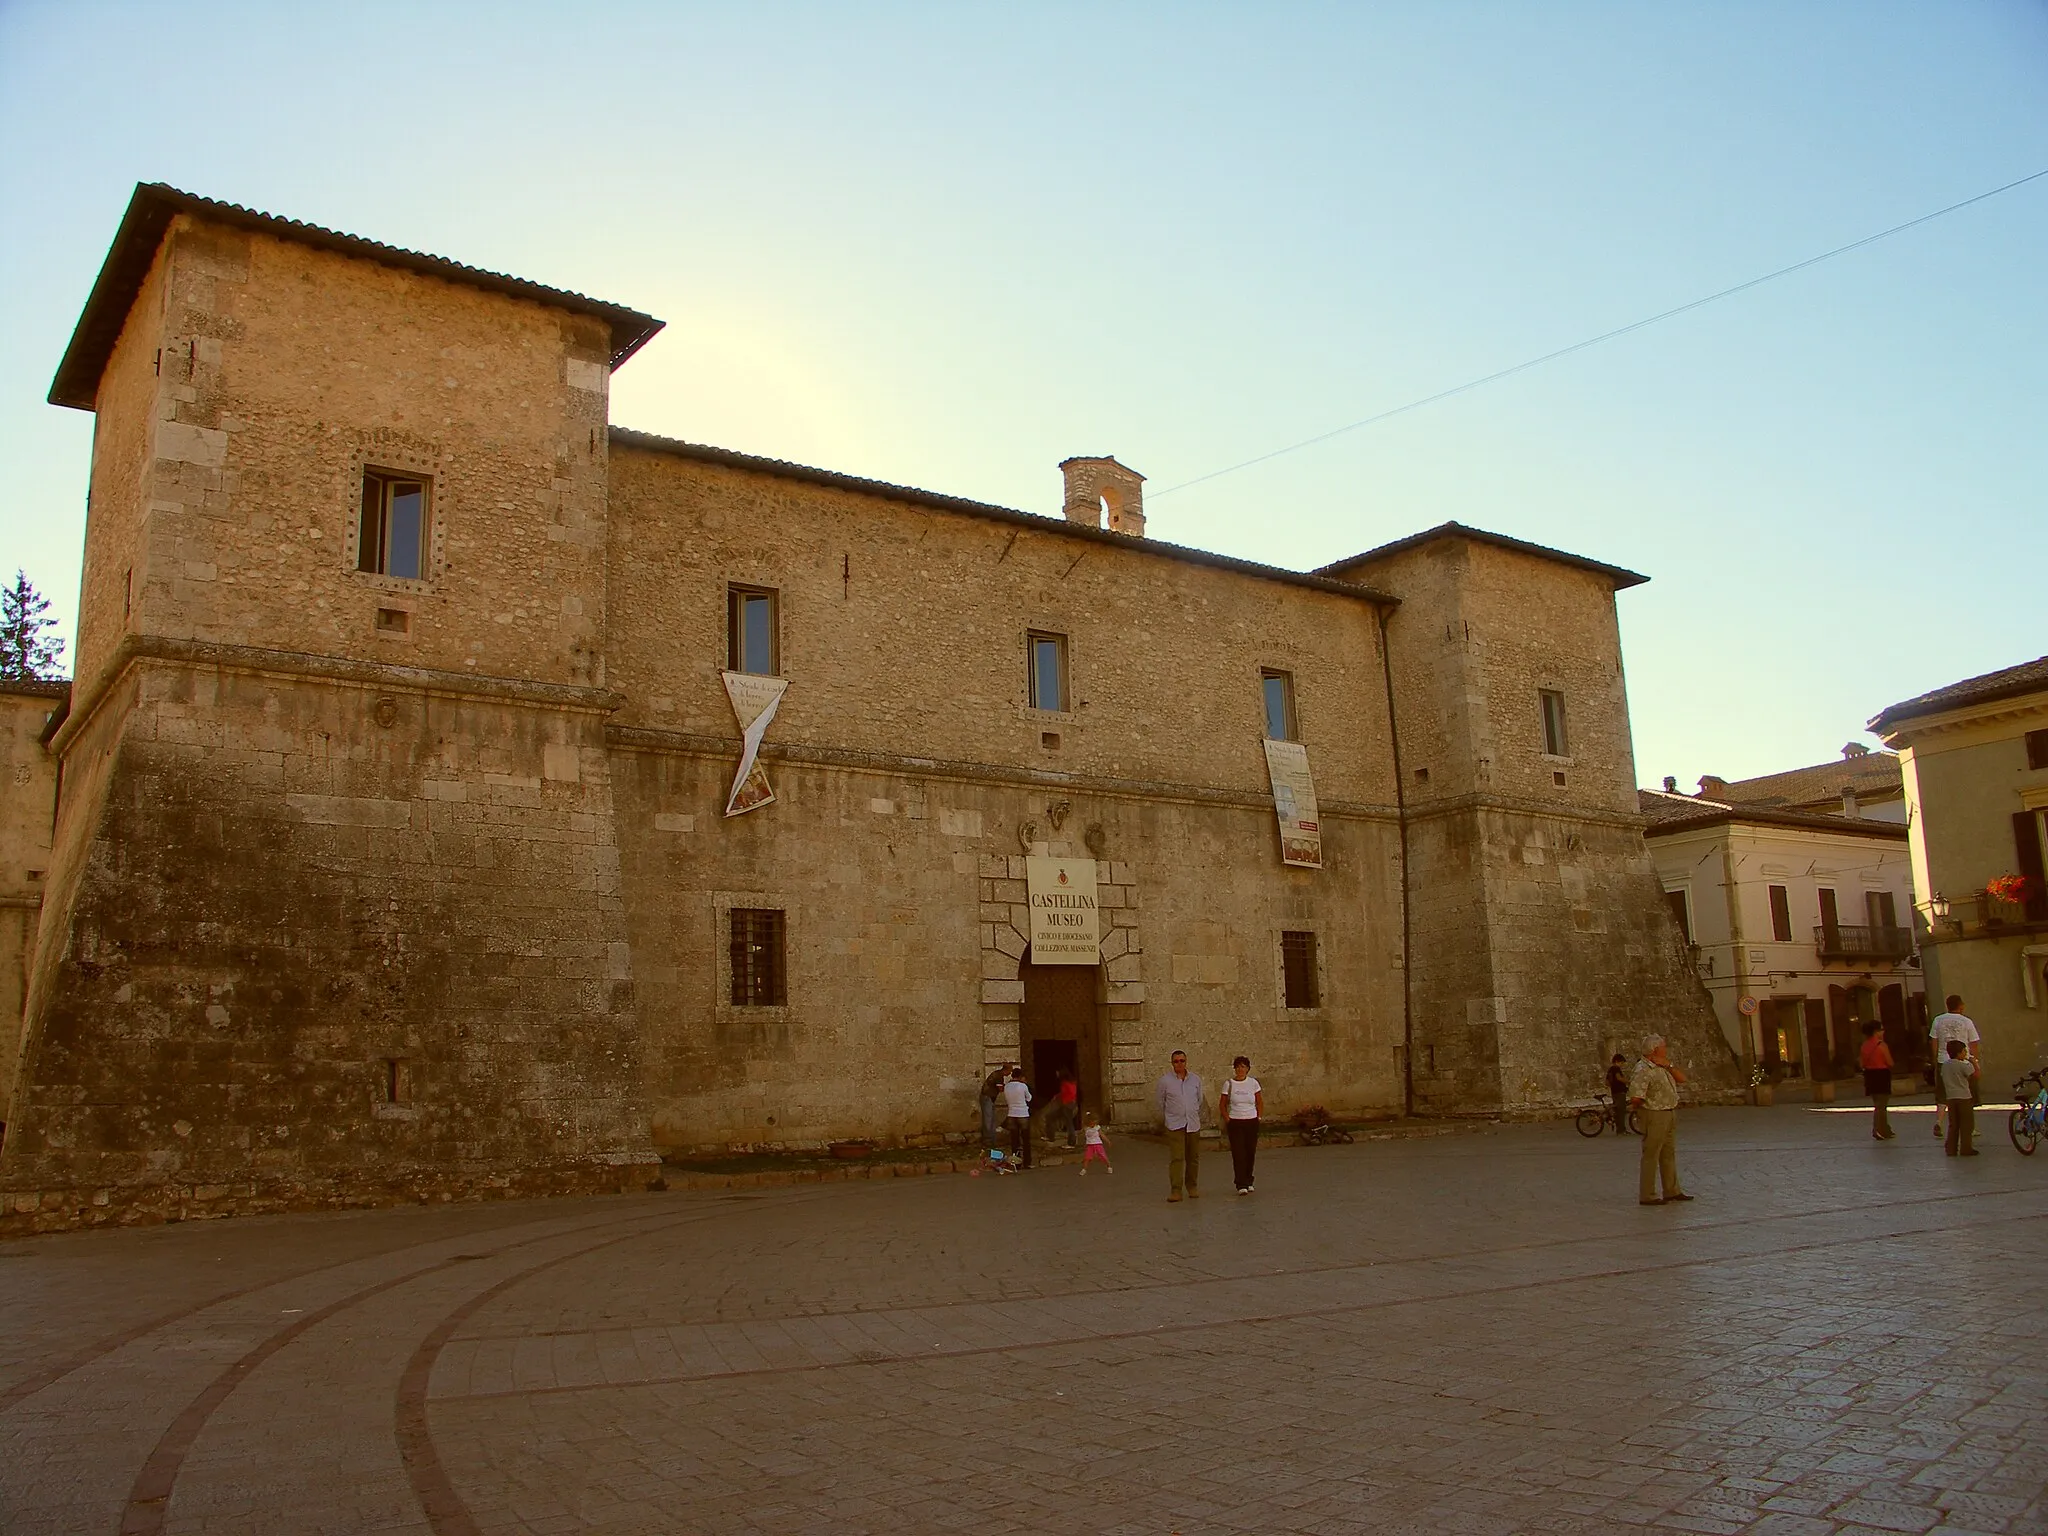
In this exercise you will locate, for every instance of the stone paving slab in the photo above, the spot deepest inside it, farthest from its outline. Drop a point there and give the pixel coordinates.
(1479, 1333)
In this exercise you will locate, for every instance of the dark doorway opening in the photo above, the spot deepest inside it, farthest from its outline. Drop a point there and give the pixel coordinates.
(1060, 1028)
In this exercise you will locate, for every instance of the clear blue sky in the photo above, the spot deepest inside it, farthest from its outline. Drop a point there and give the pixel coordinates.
(950, 245)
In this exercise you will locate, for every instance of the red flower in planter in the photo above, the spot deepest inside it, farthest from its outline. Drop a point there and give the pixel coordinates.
(2013, 888)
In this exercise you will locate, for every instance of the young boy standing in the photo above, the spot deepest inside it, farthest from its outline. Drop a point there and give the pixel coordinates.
(1956, 1073)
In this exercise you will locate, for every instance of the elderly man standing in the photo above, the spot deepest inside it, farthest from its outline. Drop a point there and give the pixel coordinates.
(1180, 1106)
(1655, 1086)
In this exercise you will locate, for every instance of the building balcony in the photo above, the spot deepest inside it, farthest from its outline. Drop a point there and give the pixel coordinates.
(1841, 941)
(1981, 915)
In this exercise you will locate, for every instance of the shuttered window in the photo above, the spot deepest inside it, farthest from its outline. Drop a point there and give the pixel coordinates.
(1781, 915)
(757, 967)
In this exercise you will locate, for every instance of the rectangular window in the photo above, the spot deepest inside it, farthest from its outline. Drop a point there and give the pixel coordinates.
(1047, 658)
(2037, 749)
(1881, 908)
(751, 632)
(1298, 968)
(757, 969)
(1555, 742)
(391, 539)
(1278, 688)
(1781, 915)
(1681, 912)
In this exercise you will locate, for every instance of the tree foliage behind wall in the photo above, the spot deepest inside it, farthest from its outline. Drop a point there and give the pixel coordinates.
(29, 648)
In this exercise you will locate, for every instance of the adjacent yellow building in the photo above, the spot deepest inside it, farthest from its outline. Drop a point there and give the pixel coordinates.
(1975, 760)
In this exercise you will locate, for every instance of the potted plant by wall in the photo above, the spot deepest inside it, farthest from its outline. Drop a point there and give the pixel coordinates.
(1762, 1088)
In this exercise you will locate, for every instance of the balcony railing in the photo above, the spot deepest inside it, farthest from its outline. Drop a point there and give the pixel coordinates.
(1841, 941)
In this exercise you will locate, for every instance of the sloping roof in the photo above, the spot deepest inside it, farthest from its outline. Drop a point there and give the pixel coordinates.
(1682, 813)
(1620, 577)
(1058, 526)
(2006, 683)
(1869, 775)
(150, 211)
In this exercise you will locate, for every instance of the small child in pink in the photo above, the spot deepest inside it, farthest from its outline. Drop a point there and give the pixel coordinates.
(1094, 1148)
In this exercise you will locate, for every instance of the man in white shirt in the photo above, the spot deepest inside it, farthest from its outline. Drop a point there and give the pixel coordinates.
(1655, 1087)
(1952, 1025)
(1017, 1116)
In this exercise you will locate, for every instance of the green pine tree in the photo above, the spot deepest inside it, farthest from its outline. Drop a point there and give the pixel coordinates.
(29, 652)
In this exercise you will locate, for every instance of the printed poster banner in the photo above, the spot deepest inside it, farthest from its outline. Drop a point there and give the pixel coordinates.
(754, 702)
(1294, 802)
(1065, 925)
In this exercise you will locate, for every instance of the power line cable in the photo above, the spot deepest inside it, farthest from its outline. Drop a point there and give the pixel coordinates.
(1594, 341)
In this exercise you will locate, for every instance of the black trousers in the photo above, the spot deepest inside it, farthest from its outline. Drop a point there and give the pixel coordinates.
(1020, 1139)
(1621, 1111)
(1244, 1147)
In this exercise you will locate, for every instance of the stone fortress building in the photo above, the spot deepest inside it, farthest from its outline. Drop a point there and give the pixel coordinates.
(392, 856)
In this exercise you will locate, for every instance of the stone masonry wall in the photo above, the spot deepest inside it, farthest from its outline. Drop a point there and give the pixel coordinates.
(28, 795)
(903, 945)
(336, 939)
(286, 371)
(903, 632)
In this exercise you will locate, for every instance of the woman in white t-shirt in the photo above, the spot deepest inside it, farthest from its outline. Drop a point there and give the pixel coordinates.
(1239, 1111)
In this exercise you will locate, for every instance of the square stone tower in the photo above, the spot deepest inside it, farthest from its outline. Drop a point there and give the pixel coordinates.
(332, 906)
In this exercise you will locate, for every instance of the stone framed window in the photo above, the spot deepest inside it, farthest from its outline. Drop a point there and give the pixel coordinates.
(394, 524)
(753, 630)
(756, 950)
(1276, 689)
(1045, 658)
(1301, 981)
(1556, 741)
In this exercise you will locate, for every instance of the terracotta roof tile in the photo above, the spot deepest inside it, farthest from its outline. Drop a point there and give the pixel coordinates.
(2006, 683)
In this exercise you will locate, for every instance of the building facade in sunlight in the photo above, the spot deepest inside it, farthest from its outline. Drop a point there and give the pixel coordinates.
(460, 793)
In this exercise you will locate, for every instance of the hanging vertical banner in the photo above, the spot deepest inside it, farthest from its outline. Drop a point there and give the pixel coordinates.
(754, 702)
(1065, 924)
(1294, 802)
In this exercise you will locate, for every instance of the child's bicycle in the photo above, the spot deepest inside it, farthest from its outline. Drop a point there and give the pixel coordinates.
(2029, 1123)
(1596, 1118)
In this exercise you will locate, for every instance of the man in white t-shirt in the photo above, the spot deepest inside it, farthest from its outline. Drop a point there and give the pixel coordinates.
(1952, 1025)
(1239, 1109)
(1017, 1116)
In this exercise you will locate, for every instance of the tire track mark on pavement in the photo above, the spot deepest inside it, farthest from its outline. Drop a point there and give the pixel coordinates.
(149, 1496)
(49, 1376)
(1154, 1331)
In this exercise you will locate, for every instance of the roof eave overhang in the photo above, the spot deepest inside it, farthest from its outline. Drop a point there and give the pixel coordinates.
(140, 234)
(1620, 576)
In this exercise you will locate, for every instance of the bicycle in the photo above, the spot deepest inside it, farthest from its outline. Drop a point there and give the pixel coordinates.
(2029, 1123)
(1596, 1118)
(1316, 1130)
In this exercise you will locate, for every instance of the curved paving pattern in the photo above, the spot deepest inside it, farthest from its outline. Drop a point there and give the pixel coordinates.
(1474, 1334)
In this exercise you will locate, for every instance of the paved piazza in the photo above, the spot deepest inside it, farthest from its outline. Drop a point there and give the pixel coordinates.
(1478, 1333)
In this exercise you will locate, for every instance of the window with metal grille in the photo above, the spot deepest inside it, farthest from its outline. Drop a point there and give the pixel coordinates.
(391, 539)
(757, 969)
(1298, 967)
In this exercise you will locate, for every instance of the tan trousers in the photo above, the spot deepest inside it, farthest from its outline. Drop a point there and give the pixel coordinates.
(1184, 1159)
(1660, 1154)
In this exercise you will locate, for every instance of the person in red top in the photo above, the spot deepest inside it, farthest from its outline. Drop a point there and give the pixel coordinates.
(1877, 1079)
(1065, 1110)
